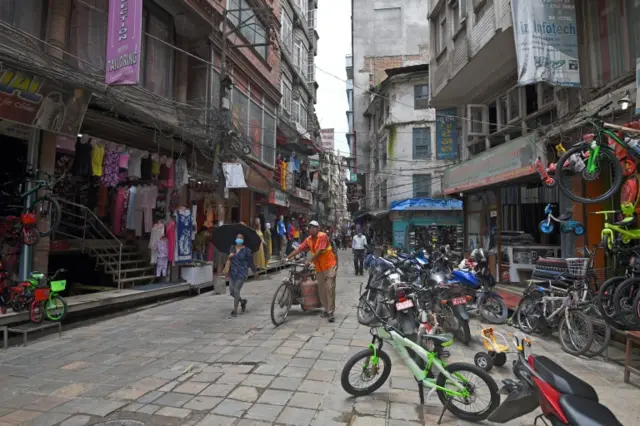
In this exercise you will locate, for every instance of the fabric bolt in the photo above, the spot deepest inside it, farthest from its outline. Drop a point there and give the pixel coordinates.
(135, 163)
(183, 236)
(155, 165)
(97, 157)
(110, 167)
(162, 257)
(146, 166)
(82, 162)
(170, 232)
(182, 173)
(157, 232)
(131, 208)
(118, 210)
(123, 161)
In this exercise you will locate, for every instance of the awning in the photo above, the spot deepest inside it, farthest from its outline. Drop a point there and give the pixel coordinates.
(372, 213)
(414, 204)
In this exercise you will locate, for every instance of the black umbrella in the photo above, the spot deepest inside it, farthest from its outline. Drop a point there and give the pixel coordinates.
(225, 236)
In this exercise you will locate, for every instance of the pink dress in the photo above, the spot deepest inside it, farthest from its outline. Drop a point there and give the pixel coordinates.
(171, 237)
(117, 211)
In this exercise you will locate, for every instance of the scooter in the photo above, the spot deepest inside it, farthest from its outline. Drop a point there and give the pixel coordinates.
(566, 224)
(563, 398)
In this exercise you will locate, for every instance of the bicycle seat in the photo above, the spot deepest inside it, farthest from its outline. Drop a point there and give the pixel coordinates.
(583, 412)
(627, 221)
(562, 380)
(565, 216)
(443, 340)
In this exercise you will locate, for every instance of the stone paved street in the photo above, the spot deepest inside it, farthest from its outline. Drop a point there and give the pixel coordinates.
(187, 363)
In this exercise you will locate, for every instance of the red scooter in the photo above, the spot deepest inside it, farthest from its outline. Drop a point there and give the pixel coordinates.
(563, 398)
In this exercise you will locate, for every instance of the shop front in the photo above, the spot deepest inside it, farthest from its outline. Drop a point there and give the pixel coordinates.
(504, 202)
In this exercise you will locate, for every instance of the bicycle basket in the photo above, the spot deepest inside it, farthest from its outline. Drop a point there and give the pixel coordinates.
(58, 285)
(41, 294)
(577, 266)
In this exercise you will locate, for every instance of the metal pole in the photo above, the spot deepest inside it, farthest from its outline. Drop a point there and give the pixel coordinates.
(26, 252)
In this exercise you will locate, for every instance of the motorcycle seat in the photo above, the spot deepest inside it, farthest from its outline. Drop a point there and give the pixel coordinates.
(563, 381)
(443, 340)
(582, 412)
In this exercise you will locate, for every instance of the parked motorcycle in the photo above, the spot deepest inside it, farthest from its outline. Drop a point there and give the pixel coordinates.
(563, 398)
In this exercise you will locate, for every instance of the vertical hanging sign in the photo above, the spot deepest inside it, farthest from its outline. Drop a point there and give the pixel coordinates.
(446, 138)
(124, 42)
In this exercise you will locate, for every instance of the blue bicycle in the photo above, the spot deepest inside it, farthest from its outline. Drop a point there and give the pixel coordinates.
(566, 223)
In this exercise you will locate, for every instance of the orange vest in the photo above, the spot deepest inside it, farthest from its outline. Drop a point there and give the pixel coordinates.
(326, 260)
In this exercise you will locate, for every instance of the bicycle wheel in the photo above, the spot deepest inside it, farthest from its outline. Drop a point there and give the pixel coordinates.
(576, 332)
(473, 386)
(623, 302)
(56, 308)
(365, 372)
(48, 212)
(601, 332)
(604, 301)
(606, 164)
(30, 236)
(528, 313)
(281, 299)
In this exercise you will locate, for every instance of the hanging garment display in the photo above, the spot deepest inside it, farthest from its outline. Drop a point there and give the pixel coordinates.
(82, 161)
(184, 226)
(145, 203)
(110, 167)
(132, 208)
(123, 163)
(135, 161)
(170, 232)
(155, 165)
(162, 257)
(182, 173)
(146, 166)
(97, 158)
(233, 175)
(157, 232)
(119, 210)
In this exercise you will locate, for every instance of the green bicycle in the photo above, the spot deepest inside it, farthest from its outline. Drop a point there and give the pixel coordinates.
(47, 298)
(617, 231)
(594, 159)
(454, 384)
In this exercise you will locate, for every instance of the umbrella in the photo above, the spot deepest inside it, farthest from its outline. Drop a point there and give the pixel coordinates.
(224, 237)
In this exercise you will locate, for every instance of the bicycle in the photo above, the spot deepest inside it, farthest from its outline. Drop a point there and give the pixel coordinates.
(46, 293)
(566, 224)
(585, 159)
(450, 385)
(46, 207)
(622, 230)
(291, 291)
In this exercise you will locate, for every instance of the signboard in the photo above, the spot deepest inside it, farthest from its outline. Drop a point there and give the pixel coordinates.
(28, 99)
(124, 42)
(508, 161)
(328, 139)
(15, 130)
(303, 194)
(446, 137)
(278, 198)
(546, 38)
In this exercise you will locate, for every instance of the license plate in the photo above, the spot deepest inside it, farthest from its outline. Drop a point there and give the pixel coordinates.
(459, 301)
(401, 306)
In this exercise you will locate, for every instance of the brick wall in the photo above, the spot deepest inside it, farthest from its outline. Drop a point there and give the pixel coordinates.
(376, 65)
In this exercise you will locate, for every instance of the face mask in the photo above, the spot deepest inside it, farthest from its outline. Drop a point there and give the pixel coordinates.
(239, 241)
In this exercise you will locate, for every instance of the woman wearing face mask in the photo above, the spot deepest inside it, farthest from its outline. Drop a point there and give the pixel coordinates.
(241, 259)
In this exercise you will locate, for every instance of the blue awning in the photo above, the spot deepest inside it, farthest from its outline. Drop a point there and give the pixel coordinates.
(413, 204)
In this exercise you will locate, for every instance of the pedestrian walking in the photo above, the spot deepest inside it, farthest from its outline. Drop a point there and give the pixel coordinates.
(359, 245)
(326, 264)
(281, 230)
(240, 260)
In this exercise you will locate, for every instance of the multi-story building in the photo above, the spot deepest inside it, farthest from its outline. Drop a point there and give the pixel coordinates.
(384, 36)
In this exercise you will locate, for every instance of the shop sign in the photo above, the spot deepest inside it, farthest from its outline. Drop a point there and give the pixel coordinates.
(303, 194)
(15, 130)
(278, 198)
(546, 39)
(124, 42)
(511, 160)
(446, 138)
(35, 101)
(256, 177)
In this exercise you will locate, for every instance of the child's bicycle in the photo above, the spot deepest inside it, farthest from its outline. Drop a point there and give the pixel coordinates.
(455, 383)
(496, 353)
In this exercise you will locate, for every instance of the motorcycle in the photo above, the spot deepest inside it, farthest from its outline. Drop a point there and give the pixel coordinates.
(563, 398)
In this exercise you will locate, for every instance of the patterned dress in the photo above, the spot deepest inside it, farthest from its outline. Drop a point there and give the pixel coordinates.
(110, 167)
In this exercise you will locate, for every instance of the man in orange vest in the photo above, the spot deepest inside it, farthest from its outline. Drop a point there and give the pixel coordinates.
(326, 264)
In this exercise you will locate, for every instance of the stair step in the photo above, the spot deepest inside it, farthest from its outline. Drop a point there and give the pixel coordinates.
(139, 278)
(125, 262)
(146, 268)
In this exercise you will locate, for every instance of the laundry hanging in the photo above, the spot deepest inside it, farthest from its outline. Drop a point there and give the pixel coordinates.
(233, 175)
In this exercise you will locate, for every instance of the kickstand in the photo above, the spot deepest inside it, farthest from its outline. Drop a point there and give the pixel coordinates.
(421, 392)
(444, 408)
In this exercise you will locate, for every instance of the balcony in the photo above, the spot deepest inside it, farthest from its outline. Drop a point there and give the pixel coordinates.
(349, 66)
(459, 71)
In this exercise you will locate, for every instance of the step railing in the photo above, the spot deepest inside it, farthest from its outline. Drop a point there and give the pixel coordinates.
(89, 226)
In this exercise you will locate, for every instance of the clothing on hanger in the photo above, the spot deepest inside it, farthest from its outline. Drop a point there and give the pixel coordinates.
(155, 165)
(170, 232)
(82, 161)
(157, 232)
(97, 157)
(182, 173)
(110, 167)
(146, 165)
(162, 257)
(135, 160)
(132, 208)
(184, 226)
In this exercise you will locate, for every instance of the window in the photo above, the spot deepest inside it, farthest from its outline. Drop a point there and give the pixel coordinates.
(458, 14)
(87, 34)
(269, 140)
(25, 15)
(300, 58)
(478, 120)
(513, 104)
(312, 19)
(311, 68)
(443, 32)
(157, 59)
(480, 7)
(303, 5)
(251, 27)
(287, 32)
(421, 96)
(303, 115)
(421, 143)
(295, 111)
(421, 186)
(285, 88)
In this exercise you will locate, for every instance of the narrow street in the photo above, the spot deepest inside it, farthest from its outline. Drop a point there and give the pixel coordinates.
(187, 363)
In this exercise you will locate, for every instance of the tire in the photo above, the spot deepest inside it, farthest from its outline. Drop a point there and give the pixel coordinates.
(56, 308)
(601, 333)
(546, 227)
(462, 333)
(497, 319)
(605, 243)
(288, 293)
(578, 230)
(483, 360)
(30, 236)
(525, 313)
(491, 384)
(386, 371)
(36, 312)
(623, 306)
(54, 215)
(565, 184)
(500, 359)
(571, 346)
(603, 302)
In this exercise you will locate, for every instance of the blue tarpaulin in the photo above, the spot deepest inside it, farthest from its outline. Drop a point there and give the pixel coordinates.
(426, 204)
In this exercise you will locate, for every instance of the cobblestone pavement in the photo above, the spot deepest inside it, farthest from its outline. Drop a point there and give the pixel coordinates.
(187, 363)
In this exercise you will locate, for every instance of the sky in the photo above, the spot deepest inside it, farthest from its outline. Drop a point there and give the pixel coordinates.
(334, 30)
